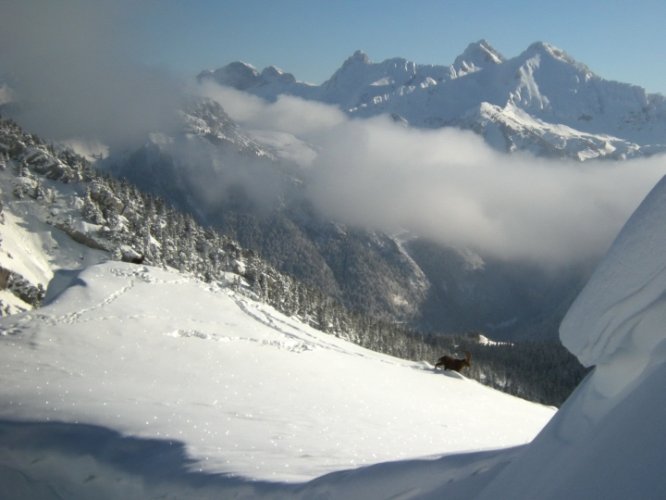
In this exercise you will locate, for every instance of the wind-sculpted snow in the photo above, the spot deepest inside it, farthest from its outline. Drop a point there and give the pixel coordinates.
(617, 311)
(608, 440)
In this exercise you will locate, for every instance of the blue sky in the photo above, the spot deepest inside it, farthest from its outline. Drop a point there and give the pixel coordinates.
(618, 39)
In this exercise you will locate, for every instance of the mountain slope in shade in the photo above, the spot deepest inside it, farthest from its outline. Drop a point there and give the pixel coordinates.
(542, 100)
(215, 171)
(429, 285)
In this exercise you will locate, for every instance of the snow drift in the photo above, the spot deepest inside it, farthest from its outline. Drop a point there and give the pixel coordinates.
(608, 440)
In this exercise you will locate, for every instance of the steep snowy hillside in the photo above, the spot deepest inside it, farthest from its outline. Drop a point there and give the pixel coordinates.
(541, 100)
(77, 217)
(248, 391)
(156, 367)
(194, 168)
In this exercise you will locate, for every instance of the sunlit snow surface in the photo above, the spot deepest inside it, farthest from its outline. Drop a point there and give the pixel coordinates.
(250, 392)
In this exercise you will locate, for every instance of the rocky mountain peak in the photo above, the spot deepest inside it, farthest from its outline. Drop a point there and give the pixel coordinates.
(476, 56)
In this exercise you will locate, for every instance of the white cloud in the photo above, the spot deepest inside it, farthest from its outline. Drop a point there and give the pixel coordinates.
(448, 185)
(287, 114)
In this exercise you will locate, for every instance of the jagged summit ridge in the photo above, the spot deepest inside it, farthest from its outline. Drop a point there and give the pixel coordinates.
(237, 74)
(550, 50)
(542, 100)
(276, 74)
(475, 57)
(358, 57)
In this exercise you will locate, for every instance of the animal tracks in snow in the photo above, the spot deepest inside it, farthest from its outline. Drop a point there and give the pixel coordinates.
(281, 326)
(291, 345)
(145, 274)
(131, 276)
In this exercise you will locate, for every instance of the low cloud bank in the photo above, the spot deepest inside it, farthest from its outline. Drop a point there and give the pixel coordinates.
(448, 185)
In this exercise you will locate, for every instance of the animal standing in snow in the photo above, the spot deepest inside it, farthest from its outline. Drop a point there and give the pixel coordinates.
(455, 364)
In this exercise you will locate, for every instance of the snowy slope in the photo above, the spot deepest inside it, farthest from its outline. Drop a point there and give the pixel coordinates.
(228, 385)
(31, 247)
(138, 382)
(153, 354)
(542, 100)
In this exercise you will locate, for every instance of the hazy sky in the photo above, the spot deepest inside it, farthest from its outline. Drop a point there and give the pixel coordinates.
(618, 39)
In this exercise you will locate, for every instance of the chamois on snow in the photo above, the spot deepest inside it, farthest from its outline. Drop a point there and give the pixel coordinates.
(455, 364)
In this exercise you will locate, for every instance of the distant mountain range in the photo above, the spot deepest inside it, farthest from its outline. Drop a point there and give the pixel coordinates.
(541, 101)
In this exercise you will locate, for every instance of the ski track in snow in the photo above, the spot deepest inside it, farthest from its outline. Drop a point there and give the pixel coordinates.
(293, 343)
(79, 316)
(313, 341)
(293, 346)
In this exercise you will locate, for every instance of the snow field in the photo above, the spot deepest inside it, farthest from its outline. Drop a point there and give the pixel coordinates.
(249, 391)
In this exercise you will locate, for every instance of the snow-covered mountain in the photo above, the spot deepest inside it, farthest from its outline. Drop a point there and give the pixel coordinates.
(78, 216)
(170, 375)
(541, 101)
(243, 182)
